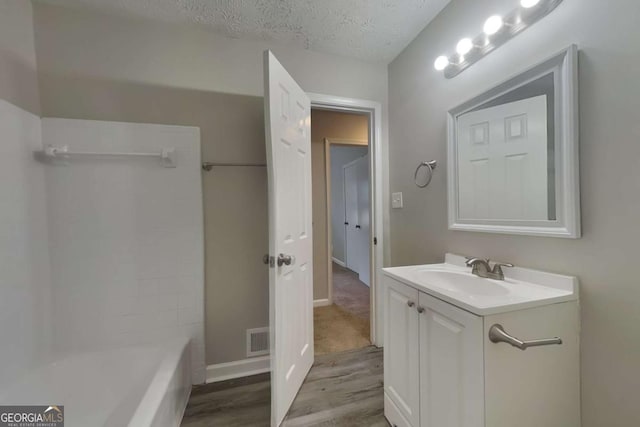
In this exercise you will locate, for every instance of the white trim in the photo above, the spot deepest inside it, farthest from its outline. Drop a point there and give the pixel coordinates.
(329, 219)
(352, 142)
(238, 369)
(321, 302)
(337, 261)
(374, 110)
(567, 224)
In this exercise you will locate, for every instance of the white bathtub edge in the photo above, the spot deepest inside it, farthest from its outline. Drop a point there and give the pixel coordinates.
(166, 398)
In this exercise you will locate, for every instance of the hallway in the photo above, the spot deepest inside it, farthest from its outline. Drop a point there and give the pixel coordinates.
(345, 324)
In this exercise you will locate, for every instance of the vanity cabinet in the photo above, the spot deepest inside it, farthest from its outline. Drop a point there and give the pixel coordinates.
(441, 369)
(402, 350)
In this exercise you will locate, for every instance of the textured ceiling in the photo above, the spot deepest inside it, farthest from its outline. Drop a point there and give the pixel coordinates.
(371, 30)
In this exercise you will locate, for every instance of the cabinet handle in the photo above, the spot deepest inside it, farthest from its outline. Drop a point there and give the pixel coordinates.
(411, 303)
(420, 310)
(497, 334)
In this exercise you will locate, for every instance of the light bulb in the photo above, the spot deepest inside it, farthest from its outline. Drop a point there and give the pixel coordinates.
(493, 24)
(441, 63)
(464, 46)
(528, 3)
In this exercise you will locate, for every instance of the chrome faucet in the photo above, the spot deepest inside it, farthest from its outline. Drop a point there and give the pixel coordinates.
(482, 268)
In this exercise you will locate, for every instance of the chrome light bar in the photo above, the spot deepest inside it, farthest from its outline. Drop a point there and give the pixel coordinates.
(497, 31)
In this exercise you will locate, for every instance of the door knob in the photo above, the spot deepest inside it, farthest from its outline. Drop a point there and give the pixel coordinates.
(346, 223)
(411, 303)
(357, 226)
(284, 259)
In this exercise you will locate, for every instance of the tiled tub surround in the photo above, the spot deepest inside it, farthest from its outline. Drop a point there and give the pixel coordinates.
(25, 292)
(113, 330)
(126, 238)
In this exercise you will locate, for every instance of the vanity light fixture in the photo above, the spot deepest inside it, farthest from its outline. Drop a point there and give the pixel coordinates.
(497, 30)
(441, 63)
(464, 46)
(493, 24)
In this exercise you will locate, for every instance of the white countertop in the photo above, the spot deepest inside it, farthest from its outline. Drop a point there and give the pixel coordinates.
(453, 282)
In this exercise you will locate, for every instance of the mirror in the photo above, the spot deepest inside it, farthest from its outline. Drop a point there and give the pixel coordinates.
(513, 154)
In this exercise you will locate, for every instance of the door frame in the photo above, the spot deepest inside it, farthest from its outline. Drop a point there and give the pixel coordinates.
(376, 251)
(328, 142)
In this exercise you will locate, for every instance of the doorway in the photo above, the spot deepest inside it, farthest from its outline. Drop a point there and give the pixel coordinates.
(342, 233)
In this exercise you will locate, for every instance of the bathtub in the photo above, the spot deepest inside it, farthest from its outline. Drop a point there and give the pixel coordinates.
(136, 387)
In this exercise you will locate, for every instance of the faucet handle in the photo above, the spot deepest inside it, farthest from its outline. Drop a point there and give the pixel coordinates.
(502, 264)
(471, 260)
(497, 269)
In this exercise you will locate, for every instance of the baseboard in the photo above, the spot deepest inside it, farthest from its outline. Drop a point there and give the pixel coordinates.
(321, 302)
(340, 263)
(238, 368)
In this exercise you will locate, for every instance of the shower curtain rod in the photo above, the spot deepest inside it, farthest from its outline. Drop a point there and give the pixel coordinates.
(207, 166)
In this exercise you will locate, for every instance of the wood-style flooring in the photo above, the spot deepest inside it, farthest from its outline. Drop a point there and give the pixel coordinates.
(342, 389)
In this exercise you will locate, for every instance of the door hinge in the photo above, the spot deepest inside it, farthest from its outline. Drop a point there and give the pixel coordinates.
(375, 240)
(269, 260)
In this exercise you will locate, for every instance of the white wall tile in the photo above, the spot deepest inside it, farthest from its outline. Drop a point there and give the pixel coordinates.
(25, 292)
(126, 238)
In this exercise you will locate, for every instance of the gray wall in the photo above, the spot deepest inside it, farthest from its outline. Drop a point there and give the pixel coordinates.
(106, 67)
(340, 156)
(18, 72)
(608, 36)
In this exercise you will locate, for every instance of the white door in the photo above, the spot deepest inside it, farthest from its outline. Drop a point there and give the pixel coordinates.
(502, 161)
(451, 366)
(357, 217)
(401, 349)
(288, 121)
(351, 215)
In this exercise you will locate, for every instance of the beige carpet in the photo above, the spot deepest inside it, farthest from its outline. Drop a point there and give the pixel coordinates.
(345, 324)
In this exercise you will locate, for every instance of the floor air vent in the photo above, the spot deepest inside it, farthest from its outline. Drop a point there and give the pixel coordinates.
(257, 342)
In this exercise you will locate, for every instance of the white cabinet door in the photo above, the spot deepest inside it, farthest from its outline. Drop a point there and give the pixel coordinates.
(451, 365)
(401, 358)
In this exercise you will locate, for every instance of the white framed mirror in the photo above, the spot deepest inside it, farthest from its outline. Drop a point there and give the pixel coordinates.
(513, 154)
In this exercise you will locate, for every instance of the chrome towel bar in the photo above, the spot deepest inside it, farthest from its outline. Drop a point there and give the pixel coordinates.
(497, 334)
(167, 156)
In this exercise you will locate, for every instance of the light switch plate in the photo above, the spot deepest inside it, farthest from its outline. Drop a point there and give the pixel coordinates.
(396, 200)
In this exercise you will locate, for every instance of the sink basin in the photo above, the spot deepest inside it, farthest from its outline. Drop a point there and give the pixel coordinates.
(466, 283)
(453, 282)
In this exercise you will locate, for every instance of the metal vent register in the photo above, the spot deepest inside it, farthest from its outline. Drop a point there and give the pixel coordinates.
(257, 342)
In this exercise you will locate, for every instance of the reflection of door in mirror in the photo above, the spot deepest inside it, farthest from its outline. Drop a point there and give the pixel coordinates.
(502, 161)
